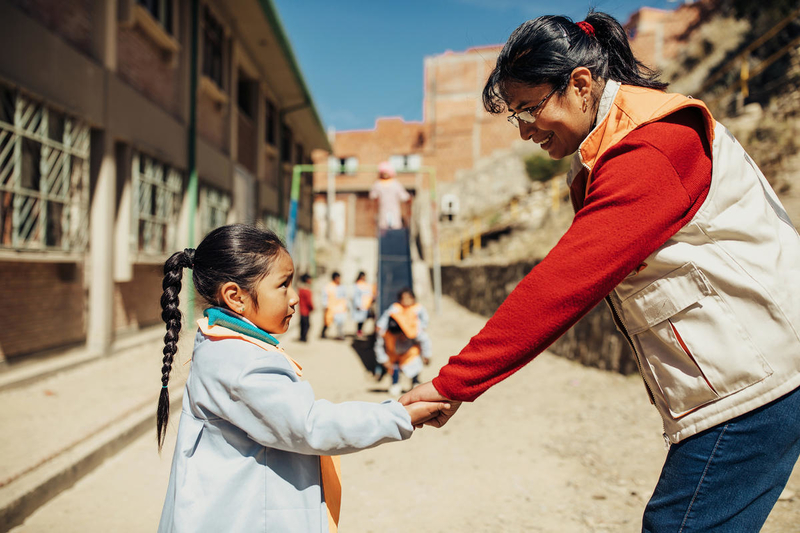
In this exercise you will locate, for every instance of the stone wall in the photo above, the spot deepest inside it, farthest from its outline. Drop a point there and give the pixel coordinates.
(593, 341)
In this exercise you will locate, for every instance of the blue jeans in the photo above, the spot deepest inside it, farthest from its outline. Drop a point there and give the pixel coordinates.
(729, 477)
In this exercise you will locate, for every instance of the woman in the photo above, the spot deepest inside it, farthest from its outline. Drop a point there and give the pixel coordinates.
(678, 229)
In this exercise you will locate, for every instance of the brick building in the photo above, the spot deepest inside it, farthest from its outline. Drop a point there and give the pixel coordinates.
(101, 138)
(657, 35)
(455, 133)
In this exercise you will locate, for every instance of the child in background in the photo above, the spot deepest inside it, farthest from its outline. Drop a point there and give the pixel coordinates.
(306, 305)
(254, 447)
(363, 296)
(402, 342)
(334, 300)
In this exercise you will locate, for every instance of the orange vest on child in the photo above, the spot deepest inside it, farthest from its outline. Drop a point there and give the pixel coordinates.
(408, 320)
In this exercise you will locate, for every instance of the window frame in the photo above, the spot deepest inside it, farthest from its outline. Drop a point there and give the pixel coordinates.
(149, 177)
(61, 177)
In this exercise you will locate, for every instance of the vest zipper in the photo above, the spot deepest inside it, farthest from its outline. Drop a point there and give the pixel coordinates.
(624, 330)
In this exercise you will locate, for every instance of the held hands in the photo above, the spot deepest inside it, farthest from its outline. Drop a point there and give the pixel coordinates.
(421, 412)
(426, 395)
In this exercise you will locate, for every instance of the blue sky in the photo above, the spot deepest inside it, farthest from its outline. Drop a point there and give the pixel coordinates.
(364, 59)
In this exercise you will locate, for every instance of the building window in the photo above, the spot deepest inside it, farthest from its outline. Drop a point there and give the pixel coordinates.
(161, 10)
(286, 144)
(214, 208)
(348, 165)
(246, 93)
(272, 121)
(213, 37)
(157, 191)
(406, 163)
(44, 176)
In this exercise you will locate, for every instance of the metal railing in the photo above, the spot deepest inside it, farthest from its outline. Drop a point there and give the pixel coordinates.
(742, 60)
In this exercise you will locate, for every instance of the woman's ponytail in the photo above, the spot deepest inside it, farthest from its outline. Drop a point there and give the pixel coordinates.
(622, 65)
(171, 314)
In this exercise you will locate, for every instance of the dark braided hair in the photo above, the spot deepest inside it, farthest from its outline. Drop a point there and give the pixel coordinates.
(239, 253)
(547, 49)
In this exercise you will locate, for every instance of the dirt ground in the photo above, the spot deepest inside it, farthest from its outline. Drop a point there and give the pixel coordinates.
(555, 448)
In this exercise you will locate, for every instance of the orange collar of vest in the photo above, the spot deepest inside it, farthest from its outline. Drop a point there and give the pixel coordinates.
(634, 107)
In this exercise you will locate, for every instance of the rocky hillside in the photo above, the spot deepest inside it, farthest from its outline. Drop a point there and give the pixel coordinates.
(766, 122)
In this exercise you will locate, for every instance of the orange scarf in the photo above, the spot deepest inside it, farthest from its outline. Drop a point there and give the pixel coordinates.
(330, 466)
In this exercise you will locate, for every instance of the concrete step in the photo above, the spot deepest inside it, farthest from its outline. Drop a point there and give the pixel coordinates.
(63, 421)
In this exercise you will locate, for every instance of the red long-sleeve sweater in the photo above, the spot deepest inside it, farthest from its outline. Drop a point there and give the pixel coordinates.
(645, 189)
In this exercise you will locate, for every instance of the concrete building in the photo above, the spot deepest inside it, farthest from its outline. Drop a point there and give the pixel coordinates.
(114, 146)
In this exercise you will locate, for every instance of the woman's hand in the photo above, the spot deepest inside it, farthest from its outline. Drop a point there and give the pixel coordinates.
(426, 394)
(421, 412)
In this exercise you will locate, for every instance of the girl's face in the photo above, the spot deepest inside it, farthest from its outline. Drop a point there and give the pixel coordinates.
(562, 121)
(276, 297)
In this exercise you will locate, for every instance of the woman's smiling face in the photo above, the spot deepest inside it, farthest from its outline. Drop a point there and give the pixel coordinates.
(563, 121)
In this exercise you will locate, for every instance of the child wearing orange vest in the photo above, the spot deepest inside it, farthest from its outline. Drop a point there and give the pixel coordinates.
(334, 301)
(402, 342)
(252, 438)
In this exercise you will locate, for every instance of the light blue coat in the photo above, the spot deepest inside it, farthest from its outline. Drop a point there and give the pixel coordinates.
(249, 441)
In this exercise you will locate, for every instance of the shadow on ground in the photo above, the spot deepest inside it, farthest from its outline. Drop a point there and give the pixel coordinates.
(365, 349)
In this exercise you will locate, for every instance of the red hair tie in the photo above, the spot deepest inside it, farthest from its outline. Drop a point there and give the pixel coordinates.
(587, 28)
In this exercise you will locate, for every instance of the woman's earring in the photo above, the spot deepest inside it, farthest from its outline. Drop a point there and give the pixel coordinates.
(585, 105)
(241, 310)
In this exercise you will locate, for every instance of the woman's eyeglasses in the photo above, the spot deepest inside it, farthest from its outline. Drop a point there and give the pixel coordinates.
(527, 115)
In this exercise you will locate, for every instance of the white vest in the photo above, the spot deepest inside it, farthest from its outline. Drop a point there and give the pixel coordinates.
(714, 316)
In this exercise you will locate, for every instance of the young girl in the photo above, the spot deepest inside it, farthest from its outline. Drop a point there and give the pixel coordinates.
(253, 446)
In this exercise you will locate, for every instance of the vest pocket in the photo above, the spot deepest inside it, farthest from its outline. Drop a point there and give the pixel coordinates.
(688, 337)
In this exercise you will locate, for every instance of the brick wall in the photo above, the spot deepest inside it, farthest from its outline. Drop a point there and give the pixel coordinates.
(137, 303)
(391, 136)
(212, 121)
(71, 19)
(461, 130)
(657, 36)
(144, 66)
(44, 306)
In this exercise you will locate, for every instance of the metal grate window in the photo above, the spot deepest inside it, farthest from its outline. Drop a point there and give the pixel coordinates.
(44, 176)
(214, 208)
(157, 193)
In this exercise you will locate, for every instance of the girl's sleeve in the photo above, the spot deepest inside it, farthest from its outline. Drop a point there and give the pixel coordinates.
(279, 412)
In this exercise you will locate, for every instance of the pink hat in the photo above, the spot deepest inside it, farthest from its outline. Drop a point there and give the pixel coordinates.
(387, 169)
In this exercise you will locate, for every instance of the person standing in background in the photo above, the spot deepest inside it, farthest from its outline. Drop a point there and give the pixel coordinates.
(334, 300)
(306, 306)
(363, 297)
(390, 196)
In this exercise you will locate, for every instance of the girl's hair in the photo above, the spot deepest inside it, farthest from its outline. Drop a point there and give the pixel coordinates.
(547, 49)
(361, 274)
(239, 253)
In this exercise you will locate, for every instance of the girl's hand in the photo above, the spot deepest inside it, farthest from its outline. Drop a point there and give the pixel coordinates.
(421, 412)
